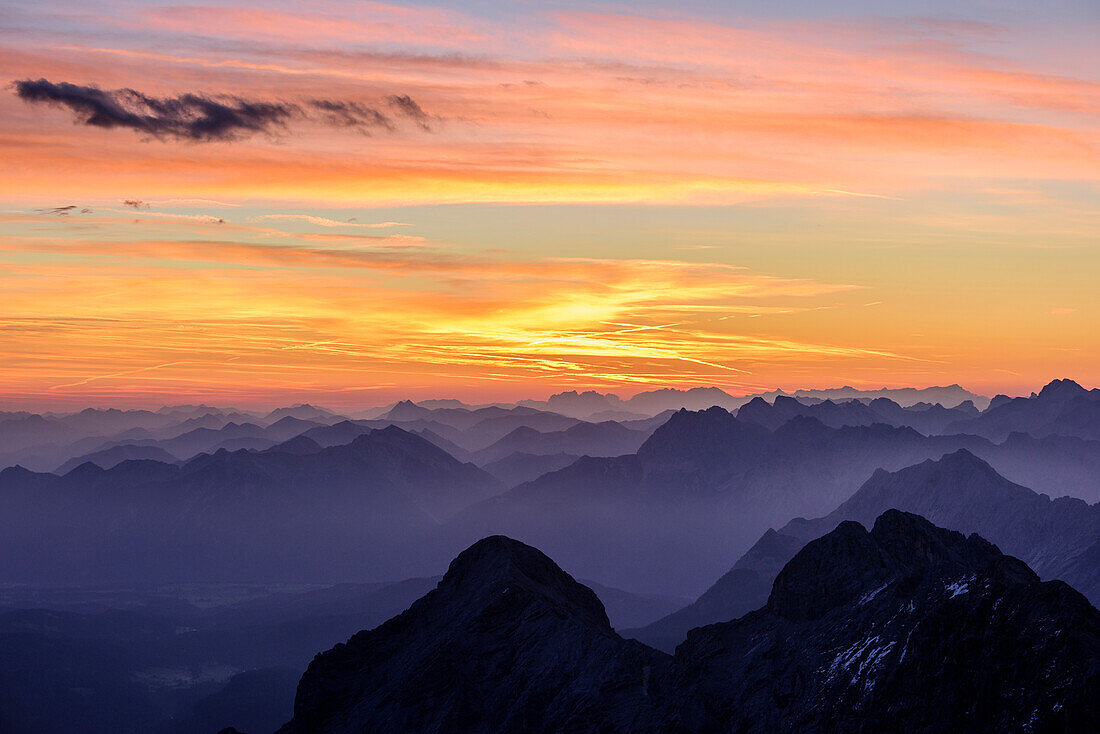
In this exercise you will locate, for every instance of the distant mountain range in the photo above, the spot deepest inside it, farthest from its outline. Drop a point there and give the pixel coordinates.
(298, 511)
(1062, 408)
(672, 499)
(706, 484)
(590, 403)
(908, 627)
(59, 442)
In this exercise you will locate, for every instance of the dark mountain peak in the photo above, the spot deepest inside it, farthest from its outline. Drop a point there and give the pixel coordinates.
(87, 470)
(14, 472)
(769, 554)
(958, 480)
(828, 572)
(337, 434)
(290, 420)
(960, 459)
(711, 442)
(406, 410)
(603, 429)
(521, 432)
(507, 642)
(888, 403)
(301, 411)
(1061, 390)
(396, 437)
(911, 542)
(299, 445)
(849, 562)
(802, 426)
(888, 629)
(499, 564)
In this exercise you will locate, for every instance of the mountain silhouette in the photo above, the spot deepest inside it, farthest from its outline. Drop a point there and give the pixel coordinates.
(508, 642)
(907, 627)
(1061, 408)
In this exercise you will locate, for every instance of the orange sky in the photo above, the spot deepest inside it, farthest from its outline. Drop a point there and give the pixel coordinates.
(569, 196)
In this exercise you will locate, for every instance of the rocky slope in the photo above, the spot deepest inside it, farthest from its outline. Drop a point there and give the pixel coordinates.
(908, 627)
(508, 642)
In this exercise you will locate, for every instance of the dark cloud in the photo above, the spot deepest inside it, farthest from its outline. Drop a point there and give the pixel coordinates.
(57, 211)
(407, 106)
(188, 116)
(201, 117)
(351, 114)
(135, 203)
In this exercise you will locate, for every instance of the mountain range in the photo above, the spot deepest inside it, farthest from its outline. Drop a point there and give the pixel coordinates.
(175, 570)
(705, 484)
(661, 505)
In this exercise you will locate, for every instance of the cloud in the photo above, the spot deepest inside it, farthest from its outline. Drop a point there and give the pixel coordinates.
(326, 222)
(188, 116)
(204, 118)
(408, 107)
(135, 203)
(58, 211)
(323, 221)
(351, 114)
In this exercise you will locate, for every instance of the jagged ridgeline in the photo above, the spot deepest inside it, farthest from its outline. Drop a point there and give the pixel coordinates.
(904, 627)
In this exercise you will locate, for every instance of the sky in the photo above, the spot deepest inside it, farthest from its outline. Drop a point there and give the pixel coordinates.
(347, 203)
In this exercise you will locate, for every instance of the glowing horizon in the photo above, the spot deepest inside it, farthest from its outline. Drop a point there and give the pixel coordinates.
(494, 202)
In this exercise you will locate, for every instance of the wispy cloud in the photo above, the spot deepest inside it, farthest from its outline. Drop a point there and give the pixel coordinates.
(326, 222)
(204, 117)
(573, 320)
(187, 116)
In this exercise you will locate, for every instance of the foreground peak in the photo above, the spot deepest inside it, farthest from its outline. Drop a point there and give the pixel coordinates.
(508, 642)
(498, 562)
(844, 564)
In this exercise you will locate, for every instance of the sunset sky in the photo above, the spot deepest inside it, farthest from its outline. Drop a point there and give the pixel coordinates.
(254, 204)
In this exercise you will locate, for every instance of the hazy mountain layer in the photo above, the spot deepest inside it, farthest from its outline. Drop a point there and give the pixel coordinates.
(705, 485)
(1058, 538)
